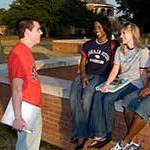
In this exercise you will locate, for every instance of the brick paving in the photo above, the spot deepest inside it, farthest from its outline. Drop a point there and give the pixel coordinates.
(67, 73)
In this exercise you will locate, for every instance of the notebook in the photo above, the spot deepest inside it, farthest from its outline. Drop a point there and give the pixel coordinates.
(29, 114)
(114, 86)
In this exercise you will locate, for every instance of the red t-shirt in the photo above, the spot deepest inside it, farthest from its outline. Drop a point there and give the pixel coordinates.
(22, 65)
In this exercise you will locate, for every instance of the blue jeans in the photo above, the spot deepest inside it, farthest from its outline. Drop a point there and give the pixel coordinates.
(30, 141)
(103, 111)
(140, 106)
(132, 101)
(80, 101)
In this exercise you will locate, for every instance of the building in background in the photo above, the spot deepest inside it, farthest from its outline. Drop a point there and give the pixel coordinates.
(100, 6)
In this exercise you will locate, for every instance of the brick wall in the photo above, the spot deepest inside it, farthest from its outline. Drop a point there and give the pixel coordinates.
(68, 46)
(4, 97)
(57, 121)
(56, 118)
(53, 72)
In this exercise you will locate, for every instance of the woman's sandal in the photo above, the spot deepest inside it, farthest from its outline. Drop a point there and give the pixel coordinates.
(96, 141)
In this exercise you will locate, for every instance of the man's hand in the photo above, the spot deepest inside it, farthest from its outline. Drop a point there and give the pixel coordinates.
(145, 92)
(19, 124)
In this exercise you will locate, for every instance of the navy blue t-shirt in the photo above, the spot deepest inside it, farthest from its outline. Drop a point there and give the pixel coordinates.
(98, 56)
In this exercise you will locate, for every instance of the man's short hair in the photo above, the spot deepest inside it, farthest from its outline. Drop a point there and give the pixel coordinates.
(24, 23)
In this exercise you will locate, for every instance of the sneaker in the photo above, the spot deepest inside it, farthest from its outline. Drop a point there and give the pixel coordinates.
(119, 146)
(132, 146)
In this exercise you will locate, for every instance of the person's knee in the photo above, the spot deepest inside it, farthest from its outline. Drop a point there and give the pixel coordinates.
(108, 100)
(108, 105)
(127, 113)
(97, 96)
(87, 104)
(88, 94)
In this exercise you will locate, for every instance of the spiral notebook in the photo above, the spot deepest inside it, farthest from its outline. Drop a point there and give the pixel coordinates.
(114, 86)
(29, 114)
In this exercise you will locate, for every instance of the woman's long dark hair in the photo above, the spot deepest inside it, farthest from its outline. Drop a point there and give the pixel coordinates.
(106, 24)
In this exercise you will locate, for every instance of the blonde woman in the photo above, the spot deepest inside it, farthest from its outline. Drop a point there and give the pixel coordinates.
(130, 62)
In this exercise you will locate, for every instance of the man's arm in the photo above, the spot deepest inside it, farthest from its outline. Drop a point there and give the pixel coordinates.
(18, 123)
(145, 79)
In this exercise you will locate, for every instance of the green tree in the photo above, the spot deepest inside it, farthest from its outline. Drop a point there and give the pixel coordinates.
(75, 13)
(51, 13)
(136, 11)
(47, 11)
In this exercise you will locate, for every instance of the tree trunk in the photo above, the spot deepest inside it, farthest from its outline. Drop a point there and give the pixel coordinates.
(46, 32)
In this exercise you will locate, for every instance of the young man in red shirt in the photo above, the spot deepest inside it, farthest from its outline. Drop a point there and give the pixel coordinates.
(24, 82)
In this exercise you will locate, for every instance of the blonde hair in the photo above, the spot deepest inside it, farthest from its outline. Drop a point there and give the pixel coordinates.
(135, 31)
